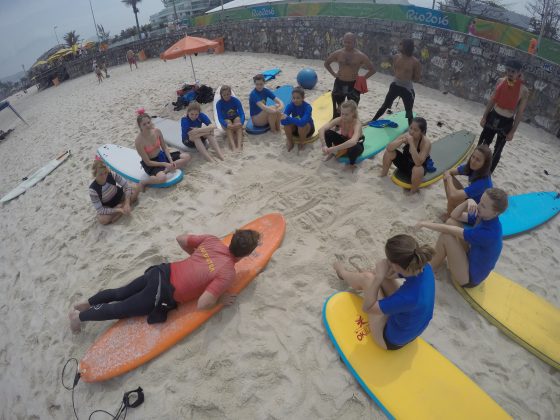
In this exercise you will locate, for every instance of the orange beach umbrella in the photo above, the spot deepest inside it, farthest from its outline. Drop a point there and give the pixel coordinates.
(187, 46)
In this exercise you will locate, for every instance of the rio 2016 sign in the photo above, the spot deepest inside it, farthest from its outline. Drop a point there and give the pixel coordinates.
(427, 17)
(263, 12)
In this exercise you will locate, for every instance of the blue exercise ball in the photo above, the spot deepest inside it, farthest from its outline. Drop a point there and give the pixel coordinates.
(307, 78)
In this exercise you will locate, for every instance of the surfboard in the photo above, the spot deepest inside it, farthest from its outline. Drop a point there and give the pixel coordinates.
(322, 114)
(171, 131)
(35, 177)
(527, 211)
(377, 139)
(270, 74)
(526, 318)
(284, 93)
(447, 153)
(131, 342)
(126, 162)
(217, 97)
(416, 382)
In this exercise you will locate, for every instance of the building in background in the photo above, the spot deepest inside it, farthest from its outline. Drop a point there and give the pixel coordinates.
(185, 10)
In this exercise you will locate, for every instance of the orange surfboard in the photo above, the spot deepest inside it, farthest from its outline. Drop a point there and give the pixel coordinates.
(131, 342)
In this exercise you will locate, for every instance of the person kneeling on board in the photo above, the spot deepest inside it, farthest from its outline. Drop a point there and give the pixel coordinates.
(205, 275)
(471, 253)
(397, 313)
(111, 194)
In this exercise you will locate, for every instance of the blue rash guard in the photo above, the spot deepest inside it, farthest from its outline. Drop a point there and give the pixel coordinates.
(298, 115)
(187, 125)
(485, 240)
(410, 308)
(229, 110)
(476, 188)
(257, 96)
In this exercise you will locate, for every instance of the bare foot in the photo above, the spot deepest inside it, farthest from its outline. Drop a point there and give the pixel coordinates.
(142, 187)
(289, 146)
(339, 269)
(82, 306)
(329, 157)
(75, 323)
(300, 147)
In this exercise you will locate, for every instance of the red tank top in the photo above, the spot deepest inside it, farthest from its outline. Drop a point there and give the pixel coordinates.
(507, 96)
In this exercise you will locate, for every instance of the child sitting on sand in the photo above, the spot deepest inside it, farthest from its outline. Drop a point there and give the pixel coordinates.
(478, 170)
(262, 114)
(111, 194)
(193, 134)
(397, 313)
(231, 117)
(471, 253)
(297, 120)
(415, 155)
(348, 139)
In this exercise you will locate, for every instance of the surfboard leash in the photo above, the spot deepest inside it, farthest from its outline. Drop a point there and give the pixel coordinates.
(131, 399)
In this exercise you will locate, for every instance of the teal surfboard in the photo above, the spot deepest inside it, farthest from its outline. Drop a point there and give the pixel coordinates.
(270, 74)
(527, 211)
(377, 139)
(284, 93)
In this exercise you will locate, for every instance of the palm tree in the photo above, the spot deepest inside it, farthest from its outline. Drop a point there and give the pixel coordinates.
(104, 35)
(71, 38)
(133, 3)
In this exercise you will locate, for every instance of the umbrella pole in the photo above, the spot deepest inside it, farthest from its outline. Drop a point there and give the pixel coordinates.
(194, 74)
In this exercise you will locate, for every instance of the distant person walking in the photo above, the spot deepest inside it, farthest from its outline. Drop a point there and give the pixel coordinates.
(131, 58)
(350, 60)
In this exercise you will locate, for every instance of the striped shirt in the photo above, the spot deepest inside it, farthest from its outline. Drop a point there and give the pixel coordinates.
(108, 192)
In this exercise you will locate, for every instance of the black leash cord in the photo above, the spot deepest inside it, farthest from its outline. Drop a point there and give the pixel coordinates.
(136, 395)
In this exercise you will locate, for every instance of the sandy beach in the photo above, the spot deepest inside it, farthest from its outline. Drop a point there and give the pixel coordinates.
(268, 356)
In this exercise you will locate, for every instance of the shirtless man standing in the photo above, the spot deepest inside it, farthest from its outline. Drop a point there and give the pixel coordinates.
(349, 60)
(131, 58)
(504, 110)
(407, 69)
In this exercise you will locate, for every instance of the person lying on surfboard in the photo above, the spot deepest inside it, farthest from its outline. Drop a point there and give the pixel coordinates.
(157, 161)
(349, 139)
(110, 193)
(415, 154)
(477, 169)
(397, 313)
(205, 275)
(297, 120)
(471, 253)
(231, 116)
(195, 136)
(261, 113)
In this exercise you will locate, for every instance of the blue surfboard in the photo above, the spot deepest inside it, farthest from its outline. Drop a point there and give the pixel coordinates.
(527, 211)
(284, 93)
(270, 74)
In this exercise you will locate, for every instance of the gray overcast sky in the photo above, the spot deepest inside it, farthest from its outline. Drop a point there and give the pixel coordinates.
(26, 26)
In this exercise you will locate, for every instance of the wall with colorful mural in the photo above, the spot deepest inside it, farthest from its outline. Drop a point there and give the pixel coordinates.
(493, 31)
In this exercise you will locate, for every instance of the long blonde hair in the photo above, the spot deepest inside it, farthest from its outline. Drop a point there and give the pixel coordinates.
(351, 106)
(405, 251)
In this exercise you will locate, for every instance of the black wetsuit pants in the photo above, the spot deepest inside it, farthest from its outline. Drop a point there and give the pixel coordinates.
(341, 91)
(135, 299)
(495, 124)
(395, 91)
(334, 138)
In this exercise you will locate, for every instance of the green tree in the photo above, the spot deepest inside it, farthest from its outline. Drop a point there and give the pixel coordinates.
(133, 3)
(71, 38)
(547, 11)
(104, 35)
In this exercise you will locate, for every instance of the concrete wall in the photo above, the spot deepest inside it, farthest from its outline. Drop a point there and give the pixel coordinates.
(463, 65)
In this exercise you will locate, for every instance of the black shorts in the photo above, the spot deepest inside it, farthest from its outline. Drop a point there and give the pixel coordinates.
(405, 164)
(191, 145)
(153, 170)
(390, 346)
(309, 133)
(116, 200)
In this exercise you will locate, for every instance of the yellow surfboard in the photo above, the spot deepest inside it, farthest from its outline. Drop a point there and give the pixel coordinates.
(415, 382)
(523, 316)
(322, 114)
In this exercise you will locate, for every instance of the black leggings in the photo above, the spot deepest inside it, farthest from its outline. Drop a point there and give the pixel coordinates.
(135, 299)
(334, 138)
(405, 94)
(495, 124)
(343, 90)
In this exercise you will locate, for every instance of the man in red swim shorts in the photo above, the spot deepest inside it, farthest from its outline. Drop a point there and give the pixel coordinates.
(131, 58)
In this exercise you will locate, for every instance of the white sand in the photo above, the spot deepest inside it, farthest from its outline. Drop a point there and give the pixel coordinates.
(267, 357)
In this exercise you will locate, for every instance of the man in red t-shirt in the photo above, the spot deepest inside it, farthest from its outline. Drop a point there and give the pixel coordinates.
(205, 275)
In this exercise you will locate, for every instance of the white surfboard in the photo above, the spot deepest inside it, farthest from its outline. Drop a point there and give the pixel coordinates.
(217, 97)
(35, 177)
(126, 162)
(171, 131)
